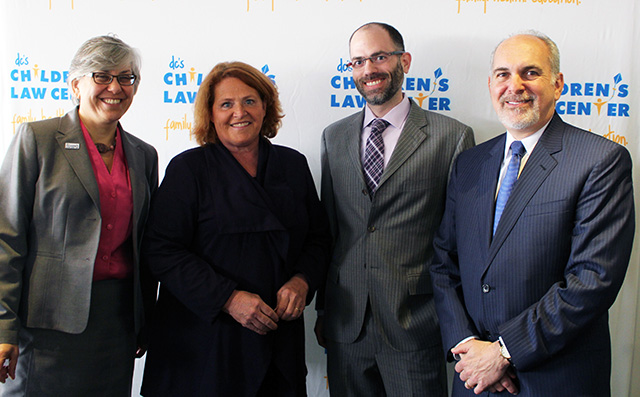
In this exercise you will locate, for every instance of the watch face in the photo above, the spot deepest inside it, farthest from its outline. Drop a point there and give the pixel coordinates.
(503, 350)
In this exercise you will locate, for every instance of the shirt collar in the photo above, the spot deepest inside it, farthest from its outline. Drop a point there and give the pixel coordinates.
(529, 142)
(395, 116)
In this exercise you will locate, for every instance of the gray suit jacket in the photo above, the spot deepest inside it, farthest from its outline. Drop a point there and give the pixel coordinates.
(382, 247)
(50, 226)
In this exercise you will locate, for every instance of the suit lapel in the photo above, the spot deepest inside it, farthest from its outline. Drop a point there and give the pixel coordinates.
(411, 138)
(135, 162)
(540, 164)
(487, 190)
(353, 143)
(72, 145)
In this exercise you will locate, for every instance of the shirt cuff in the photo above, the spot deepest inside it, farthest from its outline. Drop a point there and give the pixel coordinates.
(467, 339)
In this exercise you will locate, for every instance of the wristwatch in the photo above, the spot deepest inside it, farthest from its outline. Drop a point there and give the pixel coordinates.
(503, 349)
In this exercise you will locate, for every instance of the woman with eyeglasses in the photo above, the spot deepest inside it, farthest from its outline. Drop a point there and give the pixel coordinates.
(75, 193)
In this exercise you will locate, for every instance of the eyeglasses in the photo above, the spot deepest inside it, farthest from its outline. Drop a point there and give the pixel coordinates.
(106, 78)
(377, 59)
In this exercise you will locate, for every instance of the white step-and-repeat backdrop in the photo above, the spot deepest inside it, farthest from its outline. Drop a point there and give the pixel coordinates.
(302, 46)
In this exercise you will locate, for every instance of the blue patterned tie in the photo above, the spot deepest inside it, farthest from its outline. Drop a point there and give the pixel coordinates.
(517, 151)
(374, 154)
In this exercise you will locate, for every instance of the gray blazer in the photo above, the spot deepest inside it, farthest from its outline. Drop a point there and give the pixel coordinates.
(50, 225)
(382, 247)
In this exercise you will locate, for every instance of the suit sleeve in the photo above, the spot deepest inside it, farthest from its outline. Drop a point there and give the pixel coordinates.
(455, 324)
(445, 275)
(601, 243)
(148, 283)
(465, 142)
(171, 229)
(314, 256)
(327, 199)
(18, 177)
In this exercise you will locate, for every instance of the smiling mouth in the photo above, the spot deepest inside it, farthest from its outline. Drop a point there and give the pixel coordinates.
(517, 101)
(112, 101)
(241, 124)
(373, 82)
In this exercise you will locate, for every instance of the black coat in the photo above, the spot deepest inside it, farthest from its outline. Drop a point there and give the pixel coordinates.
(213, 229)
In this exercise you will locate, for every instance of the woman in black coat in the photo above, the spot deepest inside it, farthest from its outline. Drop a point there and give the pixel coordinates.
(239, 241)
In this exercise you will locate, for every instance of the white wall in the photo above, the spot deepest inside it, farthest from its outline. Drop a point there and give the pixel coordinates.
(303, 44)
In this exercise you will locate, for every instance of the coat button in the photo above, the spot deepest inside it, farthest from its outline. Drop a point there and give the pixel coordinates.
(486, 288)
(371, 229)
(365, 192)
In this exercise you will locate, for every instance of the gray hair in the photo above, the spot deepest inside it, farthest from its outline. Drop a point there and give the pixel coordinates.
(554, 53)
(103, 53)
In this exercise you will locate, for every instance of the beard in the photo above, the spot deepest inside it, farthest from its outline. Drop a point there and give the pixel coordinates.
(394, 83)
(519, 119)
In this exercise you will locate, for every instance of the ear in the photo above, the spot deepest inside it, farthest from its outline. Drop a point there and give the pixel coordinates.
(406, 61)
(74, 88)
(559, 85)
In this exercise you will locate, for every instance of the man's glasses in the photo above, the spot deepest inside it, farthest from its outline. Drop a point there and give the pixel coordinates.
(377, 59)
(106, 78)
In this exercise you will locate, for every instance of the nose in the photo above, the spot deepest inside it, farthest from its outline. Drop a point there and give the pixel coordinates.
(368, 66)
(114, 86)
(516, 84)
(239, 110)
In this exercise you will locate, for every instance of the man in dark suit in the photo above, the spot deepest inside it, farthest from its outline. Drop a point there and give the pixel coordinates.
(527, 265)
(383, 185)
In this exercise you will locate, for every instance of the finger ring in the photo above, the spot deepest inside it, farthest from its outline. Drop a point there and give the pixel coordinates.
(467, 385)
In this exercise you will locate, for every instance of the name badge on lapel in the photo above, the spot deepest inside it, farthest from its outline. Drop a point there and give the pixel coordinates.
(72, 146)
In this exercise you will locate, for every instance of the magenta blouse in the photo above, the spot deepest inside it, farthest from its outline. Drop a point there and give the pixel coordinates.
(114, 259)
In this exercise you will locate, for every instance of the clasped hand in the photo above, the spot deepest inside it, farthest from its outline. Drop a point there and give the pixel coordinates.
(8, 361)
(482, 367)
(251, 312)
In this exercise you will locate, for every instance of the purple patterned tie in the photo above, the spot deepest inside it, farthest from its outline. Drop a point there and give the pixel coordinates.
(374, 154)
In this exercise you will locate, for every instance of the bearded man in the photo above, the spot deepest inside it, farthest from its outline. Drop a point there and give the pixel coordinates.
(384, 176)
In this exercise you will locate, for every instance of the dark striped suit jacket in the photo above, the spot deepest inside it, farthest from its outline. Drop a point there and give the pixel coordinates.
(547, 278)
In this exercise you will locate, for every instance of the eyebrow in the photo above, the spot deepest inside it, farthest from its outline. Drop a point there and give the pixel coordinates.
(525, 68)
(251, 96)
(374, 54)
(128, 71)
